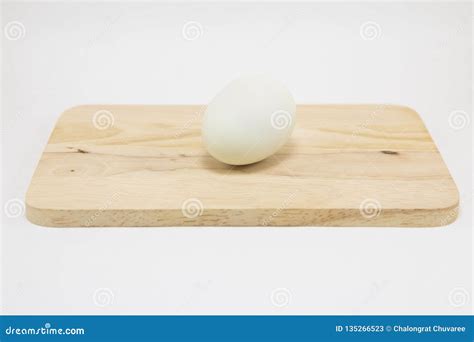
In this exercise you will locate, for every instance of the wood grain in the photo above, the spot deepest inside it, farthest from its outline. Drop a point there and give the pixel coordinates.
(345, 165)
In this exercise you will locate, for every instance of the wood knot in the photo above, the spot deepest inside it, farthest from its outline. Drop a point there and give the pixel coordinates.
(78, 150)
(389, 152)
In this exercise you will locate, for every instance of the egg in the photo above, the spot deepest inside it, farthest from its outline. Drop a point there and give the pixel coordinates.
(248, 120)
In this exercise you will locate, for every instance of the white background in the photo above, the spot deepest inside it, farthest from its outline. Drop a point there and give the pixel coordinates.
(78, 53)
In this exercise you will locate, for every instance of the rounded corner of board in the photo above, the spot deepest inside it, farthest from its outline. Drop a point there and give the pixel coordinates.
(404, 108)
(448, 215)
(37, 216)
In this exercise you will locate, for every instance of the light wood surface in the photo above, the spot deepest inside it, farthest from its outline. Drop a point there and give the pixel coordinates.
(345, 165)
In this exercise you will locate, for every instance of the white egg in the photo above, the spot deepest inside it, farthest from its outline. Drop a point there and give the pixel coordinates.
(248, 120)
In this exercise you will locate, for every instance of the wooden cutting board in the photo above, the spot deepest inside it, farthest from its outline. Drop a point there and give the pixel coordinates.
(345, 165)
